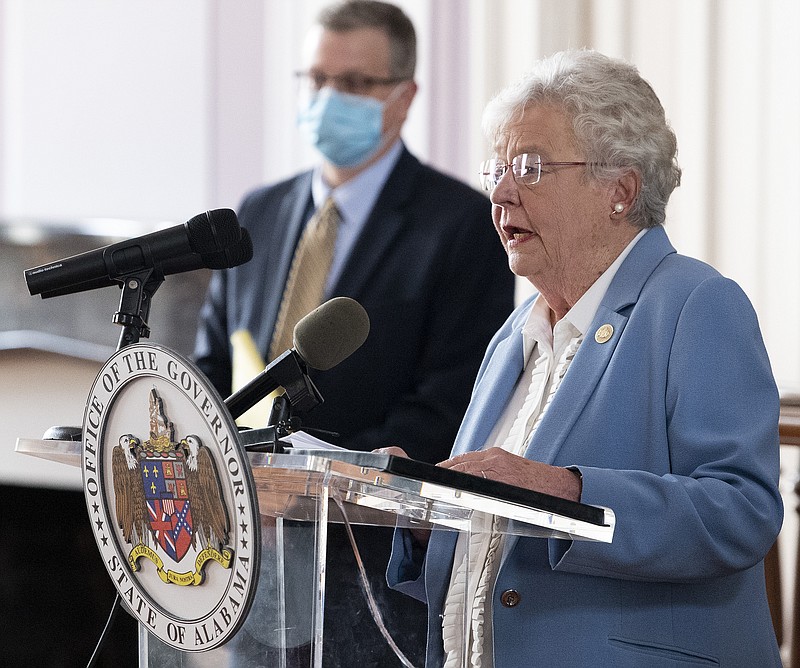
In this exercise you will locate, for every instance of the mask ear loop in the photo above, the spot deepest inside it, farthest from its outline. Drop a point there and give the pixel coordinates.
(392, 97)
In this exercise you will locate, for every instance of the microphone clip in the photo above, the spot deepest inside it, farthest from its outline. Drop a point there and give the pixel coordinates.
(281, 424)
(284, 423)
(138, 289)
(290, 372)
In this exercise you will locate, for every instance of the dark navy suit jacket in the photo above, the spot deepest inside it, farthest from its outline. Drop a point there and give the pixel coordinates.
(434, 279)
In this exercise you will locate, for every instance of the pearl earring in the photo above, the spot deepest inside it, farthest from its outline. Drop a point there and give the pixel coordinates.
(618, 207)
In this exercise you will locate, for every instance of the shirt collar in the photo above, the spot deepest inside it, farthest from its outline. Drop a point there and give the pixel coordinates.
(582, 312)
(355, 198)
(580, 316)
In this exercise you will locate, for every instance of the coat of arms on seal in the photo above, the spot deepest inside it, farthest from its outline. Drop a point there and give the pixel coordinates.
(168, 494)
(171, 498)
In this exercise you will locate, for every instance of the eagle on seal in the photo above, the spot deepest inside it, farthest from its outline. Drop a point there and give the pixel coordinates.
(209, 519)
(205, 494)
(131, 506)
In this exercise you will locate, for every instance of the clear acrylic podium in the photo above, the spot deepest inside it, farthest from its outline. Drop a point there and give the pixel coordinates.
(301, 491)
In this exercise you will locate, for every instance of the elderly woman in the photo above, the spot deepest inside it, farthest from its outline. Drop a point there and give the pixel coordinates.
(635, 378)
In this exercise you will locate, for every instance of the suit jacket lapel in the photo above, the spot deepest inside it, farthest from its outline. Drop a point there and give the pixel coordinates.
(293, 211)
(384, 224)
(382, 228)
(594, 355)
(578, 385)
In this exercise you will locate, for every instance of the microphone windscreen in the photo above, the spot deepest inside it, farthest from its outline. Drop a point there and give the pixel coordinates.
(331, 333)
(234, 255)
(213, 231)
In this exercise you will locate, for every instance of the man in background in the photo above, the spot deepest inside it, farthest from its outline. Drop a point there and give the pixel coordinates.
(415, 247)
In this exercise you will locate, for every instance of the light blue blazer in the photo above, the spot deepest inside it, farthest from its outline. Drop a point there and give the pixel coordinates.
(673, 423)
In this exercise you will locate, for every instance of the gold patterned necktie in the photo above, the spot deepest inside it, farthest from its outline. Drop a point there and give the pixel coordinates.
(305, 285)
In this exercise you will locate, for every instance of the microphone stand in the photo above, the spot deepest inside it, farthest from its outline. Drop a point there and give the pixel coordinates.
(280, 424)
(134, 309)
(290, 372)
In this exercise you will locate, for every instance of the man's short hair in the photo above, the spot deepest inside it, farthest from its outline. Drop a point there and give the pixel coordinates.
(354, 14)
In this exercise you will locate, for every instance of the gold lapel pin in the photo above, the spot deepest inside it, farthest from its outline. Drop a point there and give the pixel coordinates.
(603, 333)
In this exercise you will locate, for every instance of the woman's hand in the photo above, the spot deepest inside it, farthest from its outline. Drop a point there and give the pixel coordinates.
(499, 464)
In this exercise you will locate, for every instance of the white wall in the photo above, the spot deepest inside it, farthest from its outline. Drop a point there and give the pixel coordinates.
(105, 109)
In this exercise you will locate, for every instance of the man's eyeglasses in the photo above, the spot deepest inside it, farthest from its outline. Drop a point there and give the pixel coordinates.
(526, 169)
(349, 82)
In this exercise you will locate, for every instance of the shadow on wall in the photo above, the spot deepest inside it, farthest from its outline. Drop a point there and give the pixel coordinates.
(87, 316)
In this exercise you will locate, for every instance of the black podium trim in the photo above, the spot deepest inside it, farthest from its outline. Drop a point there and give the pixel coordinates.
(429, 473)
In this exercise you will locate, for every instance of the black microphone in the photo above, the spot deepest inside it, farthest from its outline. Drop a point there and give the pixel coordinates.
(232, 256)
(322, 339)
(200, 242)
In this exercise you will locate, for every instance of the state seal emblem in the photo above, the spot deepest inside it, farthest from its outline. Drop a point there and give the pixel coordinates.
(171, 497)
(169, 492)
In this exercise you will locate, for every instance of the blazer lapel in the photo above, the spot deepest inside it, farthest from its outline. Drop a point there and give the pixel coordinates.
(578, 385)
(491, 394)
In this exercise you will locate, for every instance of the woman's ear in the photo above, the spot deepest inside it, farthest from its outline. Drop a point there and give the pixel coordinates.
(624, 192)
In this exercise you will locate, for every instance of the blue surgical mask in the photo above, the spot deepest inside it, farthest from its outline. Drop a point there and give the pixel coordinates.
(345, 128)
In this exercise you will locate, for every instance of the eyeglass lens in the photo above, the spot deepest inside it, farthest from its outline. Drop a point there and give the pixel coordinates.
(526, 168)
(349, 82)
